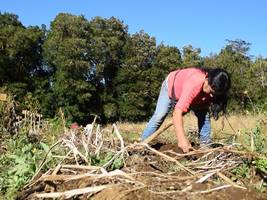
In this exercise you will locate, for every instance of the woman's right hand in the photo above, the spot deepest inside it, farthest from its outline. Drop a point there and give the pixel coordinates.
(179, 129)
(184, 144)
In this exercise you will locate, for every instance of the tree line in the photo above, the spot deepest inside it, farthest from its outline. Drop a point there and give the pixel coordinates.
(96, 67)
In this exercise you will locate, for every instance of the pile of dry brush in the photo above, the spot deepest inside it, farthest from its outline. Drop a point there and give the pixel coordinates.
(132, 170)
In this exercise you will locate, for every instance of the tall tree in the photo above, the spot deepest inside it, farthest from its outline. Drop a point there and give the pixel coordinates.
(167, 59)
(20, 54)
(234, 58)
(133, 79)
(67, 51)
(107, 46)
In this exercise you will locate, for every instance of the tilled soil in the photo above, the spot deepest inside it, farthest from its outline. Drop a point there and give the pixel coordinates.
(153, 177)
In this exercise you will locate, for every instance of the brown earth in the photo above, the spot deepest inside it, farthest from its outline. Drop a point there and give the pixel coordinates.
(141, 164)
(226, 194)
(160, 178)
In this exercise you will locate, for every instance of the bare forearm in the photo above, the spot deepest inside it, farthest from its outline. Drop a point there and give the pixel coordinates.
(179, 129)
(178, 124)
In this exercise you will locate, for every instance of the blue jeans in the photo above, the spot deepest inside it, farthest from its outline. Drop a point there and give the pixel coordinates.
(164, 104)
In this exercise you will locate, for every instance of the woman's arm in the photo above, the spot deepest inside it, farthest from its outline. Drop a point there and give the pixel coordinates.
(183, 142)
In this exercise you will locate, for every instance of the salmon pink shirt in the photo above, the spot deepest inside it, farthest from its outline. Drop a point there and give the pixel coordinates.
(188, 88)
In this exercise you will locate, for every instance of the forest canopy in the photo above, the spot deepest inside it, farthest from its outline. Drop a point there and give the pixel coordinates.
(96, 67)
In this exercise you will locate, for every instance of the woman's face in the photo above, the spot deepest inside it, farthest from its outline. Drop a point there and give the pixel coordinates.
(207, 88)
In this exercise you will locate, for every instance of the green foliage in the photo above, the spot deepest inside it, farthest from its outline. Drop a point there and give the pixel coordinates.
(254, 140)
(242, 171)
(234, 58)
(259, 140)
(117, 163)
(135, 75)
(256, 91)
(261, 165)
(191, 56)
(67, 51)
(110, 110)
(31, 103)
(9, 19)
(19, 163)
(166, 59)
(89, 67)
(100, 160)
(55, 129)
(109, 37)
(20, 54)
(6, 110)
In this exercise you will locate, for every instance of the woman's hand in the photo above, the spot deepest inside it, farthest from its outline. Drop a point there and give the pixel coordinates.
(184, 144)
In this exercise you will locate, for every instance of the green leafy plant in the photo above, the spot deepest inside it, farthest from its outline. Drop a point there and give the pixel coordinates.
(117, 163)
(261, 165)
(241, 171)
(100, 160)
(19, 163)
(254, 140)
(259, 140)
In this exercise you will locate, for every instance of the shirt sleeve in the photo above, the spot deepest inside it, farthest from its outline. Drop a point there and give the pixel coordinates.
(189, 91)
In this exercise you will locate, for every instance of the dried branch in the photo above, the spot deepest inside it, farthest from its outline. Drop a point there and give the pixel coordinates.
(168, 158)
(70, 193)
(118, 135)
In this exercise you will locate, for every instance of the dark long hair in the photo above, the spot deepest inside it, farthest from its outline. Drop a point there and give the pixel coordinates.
(220, 82)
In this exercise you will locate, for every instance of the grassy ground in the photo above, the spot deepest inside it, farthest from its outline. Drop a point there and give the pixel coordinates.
(223, 128)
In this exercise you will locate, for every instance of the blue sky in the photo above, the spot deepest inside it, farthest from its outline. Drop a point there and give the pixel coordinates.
(205, 24)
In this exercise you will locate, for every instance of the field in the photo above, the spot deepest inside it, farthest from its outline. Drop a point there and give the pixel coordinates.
(47, 159)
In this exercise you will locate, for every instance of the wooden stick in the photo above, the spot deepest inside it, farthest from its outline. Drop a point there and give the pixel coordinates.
(56, 170)
(194, 152)
(71, 193)
(85, 175)
(85, 167)
(118, 135)
(204, 178)
(229, 181)
(213, 189)
(244, 153)
(158, 132)
(201, 180)
(168, 177)
(168, 158)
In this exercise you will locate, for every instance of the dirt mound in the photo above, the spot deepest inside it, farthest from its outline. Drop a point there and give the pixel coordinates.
(140, 171)
(226, 194)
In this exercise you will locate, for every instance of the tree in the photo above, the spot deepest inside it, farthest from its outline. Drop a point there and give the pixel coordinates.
(234, 58)
(167, 59)
(239, 46)
(67, 52)
(191, 56)
(256, 89)
(107, 46)
(210, 60)
(20, 55)
(133, 78)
